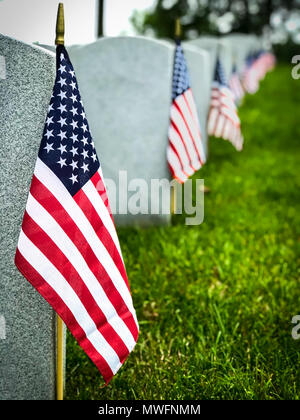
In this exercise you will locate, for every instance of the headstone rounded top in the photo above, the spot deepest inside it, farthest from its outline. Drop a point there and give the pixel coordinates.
(216, 46)
(38, 49)
(188, 46)
(121, 40)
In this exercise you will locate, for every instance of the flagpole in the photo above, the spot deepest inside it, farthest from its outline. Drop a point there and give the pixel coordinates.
(177, 36)
(59, 40)
(178, 30)
(60, 26)
(173, 198)
(59, 359)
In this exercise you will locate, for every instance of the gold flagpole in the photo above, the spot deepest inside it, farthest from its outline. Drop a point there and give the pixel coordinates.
(59, 40)
(60, 26)
(177, 29)
(173, 199)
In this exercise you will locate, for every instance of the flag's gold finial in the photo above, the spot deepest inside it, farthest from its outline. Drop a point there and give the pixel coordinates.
(60, 26)
(177, 28)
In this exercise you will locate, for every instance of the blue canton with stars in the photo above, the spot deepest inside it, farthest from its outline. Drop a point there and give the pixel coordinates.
(181, 80)
(67, 147)
(220, 74)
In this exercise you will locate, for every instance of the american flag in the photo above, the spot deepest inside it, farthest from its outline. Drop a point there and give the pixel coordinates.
(185, 152)
(223, 120)
(251, 75)
(257, 65)
(68, 247)
(236, 86)
(269, 61)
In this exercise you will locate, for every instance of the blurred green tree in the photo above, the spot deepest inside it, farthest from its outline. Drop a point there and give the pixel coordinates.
(203, 16)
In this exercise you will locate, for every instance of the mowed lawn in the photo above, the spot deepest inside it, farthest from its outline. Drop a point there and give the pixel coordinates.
(215, 301)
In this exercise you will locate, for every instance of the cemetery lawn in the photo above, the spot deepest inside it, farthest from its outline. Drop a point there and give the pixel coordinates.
(215, 301)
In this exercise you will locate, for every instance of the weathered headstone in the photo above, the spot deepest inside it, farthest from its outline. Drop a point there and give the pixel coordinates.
(27, 322)
(216, 47)
(125, 84)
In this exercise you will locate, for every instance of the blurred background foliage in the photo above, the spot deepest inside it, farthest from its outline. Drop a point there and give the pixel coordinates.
(277, 20)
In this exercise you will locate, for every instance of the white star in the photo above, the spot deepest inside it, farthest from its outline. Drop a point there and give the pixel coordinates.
(50, 108)
(73, 164)
(62, 149)
(83, 114)
(92, 144)
(62, 121)
(62, 57)
(74, 137)
(74, 111)
(62, 108)
(94, 157)
(62, 135)
(73, 85)
(49, 134)
(62, 82)
(72, 73)
(49, 147)
(84, 140)
(73, 97)
(62, 162)
(73, 178)
(85, 167)
(84, 127)
(74, 151)
(85, 154)
(74, 124)
(62, 69)
(62, 95)
(49, 120)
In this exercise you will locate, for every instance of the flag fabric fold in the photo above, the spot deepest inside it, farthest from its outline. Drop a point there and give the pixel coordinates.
(68, 248)
(185, 151)
(223, 120)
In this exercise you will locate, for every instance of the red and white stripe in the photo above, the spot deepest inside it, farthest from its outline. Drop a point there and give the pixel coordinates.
(69, 251)
(223, 120)
(185, 152)
(236, 87)
(251, 79)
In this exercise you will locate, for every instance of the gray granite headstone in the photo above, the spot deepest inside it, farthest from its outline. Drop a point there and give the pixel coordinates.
(27, 322)
(216, 47)
(242, 45)
(125, 84)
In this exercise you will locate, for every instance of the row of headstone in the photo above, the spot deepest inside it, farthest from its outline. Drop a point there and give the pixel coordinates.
(125, 84)
(133, 117)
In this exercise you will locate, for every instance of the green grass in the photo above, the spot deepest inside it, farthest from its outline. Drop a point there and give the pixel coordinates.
(215, 301)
